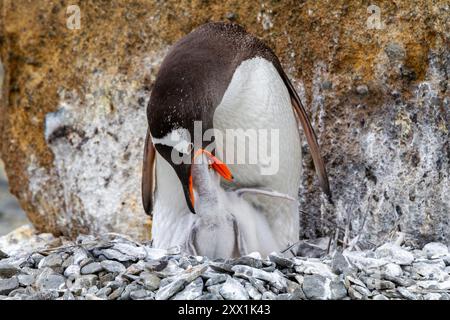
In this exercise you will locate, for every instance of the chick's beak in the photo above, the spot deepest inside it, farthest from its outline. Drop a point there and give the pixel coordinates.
(215, 164)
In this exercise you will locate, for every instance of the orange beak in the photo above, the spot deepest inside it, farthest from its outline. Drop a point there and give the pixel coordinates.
(218, 166)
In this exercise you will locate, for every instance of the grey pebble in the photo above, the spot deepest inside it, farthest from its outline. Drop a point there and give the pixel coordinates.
(150, 281)
(233, 290)
(25, 279)
(8, 285)
(113, 266)
(90, 268)
(315, 287)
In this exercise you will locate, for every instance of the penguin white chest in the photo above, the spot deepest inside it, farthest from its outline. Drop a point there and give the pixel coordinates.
(257, 102)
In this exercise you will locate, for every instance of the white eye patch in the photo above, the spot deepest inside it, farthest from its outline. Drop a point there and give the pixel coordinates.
(179, 139)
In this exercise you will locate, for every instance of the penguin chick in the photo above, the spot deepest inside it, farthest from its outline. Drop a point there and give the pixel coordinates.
(226, 225)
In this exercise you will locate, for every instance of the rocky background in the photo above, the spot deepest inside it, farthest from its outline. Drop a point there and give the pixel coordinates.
(11, 215)
(375, 83)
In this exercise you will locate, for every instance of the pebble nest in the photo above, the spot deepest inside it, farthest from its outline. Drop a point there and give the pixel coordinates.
(113, 267)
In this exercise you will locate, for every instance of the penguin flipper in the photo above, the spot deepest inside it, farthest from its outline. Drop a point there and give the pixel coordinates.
(302, 118)
(148, 175)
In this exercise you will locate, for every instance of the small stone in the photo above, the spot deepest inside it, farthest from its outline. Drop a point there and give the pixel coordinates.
(247, 261)
(353, 280)
(116, 293)
(90, 296)
(68, 295)
(136, 268)
(3, 255)
(298, 294)
(446, 259)
(401, 281)
(171, 289)
(154, 253)
(192, 291)
(156, 266)
(178, 283)
(258, 284)
(395, 254)
(405, 293)
(79, 255)
(92, 290)
(128, 290)
(395, 51)
(338, 290)
(354, 294)
(37, 257)
(131, 250)
(291, 286)
(362, 90)
(434, 250)
(216, 279)
(105, 277)
(7, 270)
(362, 290)
(313, 267)
(214, 289)
(50, 281)
(172, 269)
(339, 264)
(432, 296)
(84, 282)
(68, 261)
(113, 266)
(210, 296)
(310, 251)
(284, 296)
(72, 271)
(252, 292)
(51, 261)
(380, 297)
(268, 295)
(430, 270)
(103, 292)
(281, 261)
(25, 279)
(316, 287)
(392, 270)
(221, 267)
(275, 279)
(91, 268)
(379, 284)
(327, 85)
(8, 285)
(233, 290)
(151, 281)
(141, 295)
(232, 16)
(47, 295)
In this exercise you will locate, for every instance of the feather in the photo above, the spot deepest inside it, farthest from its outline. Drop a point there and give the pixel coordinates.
(303, 119)
(148, 175)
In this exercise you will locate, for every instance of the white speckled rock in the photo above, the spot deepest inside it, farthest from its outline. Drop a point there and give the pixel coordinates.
(394, 253)
(233, 290)
(435, 250)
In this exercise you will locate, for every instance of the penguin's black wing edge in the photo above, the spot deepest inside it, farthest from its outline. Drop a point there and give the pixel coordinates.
(302, 117)
(148, 175)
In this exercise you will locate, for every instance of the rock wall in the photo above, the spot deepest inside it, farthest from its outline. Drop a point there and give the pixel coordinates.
(375, 83)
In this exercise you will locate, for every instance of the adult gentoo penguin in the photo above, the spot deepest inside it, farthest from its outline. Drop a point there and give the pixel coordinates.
(225, 78)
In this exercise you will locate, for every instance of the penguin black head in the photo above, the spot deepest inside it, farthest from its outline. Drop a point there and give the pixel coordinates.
(189, 86)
